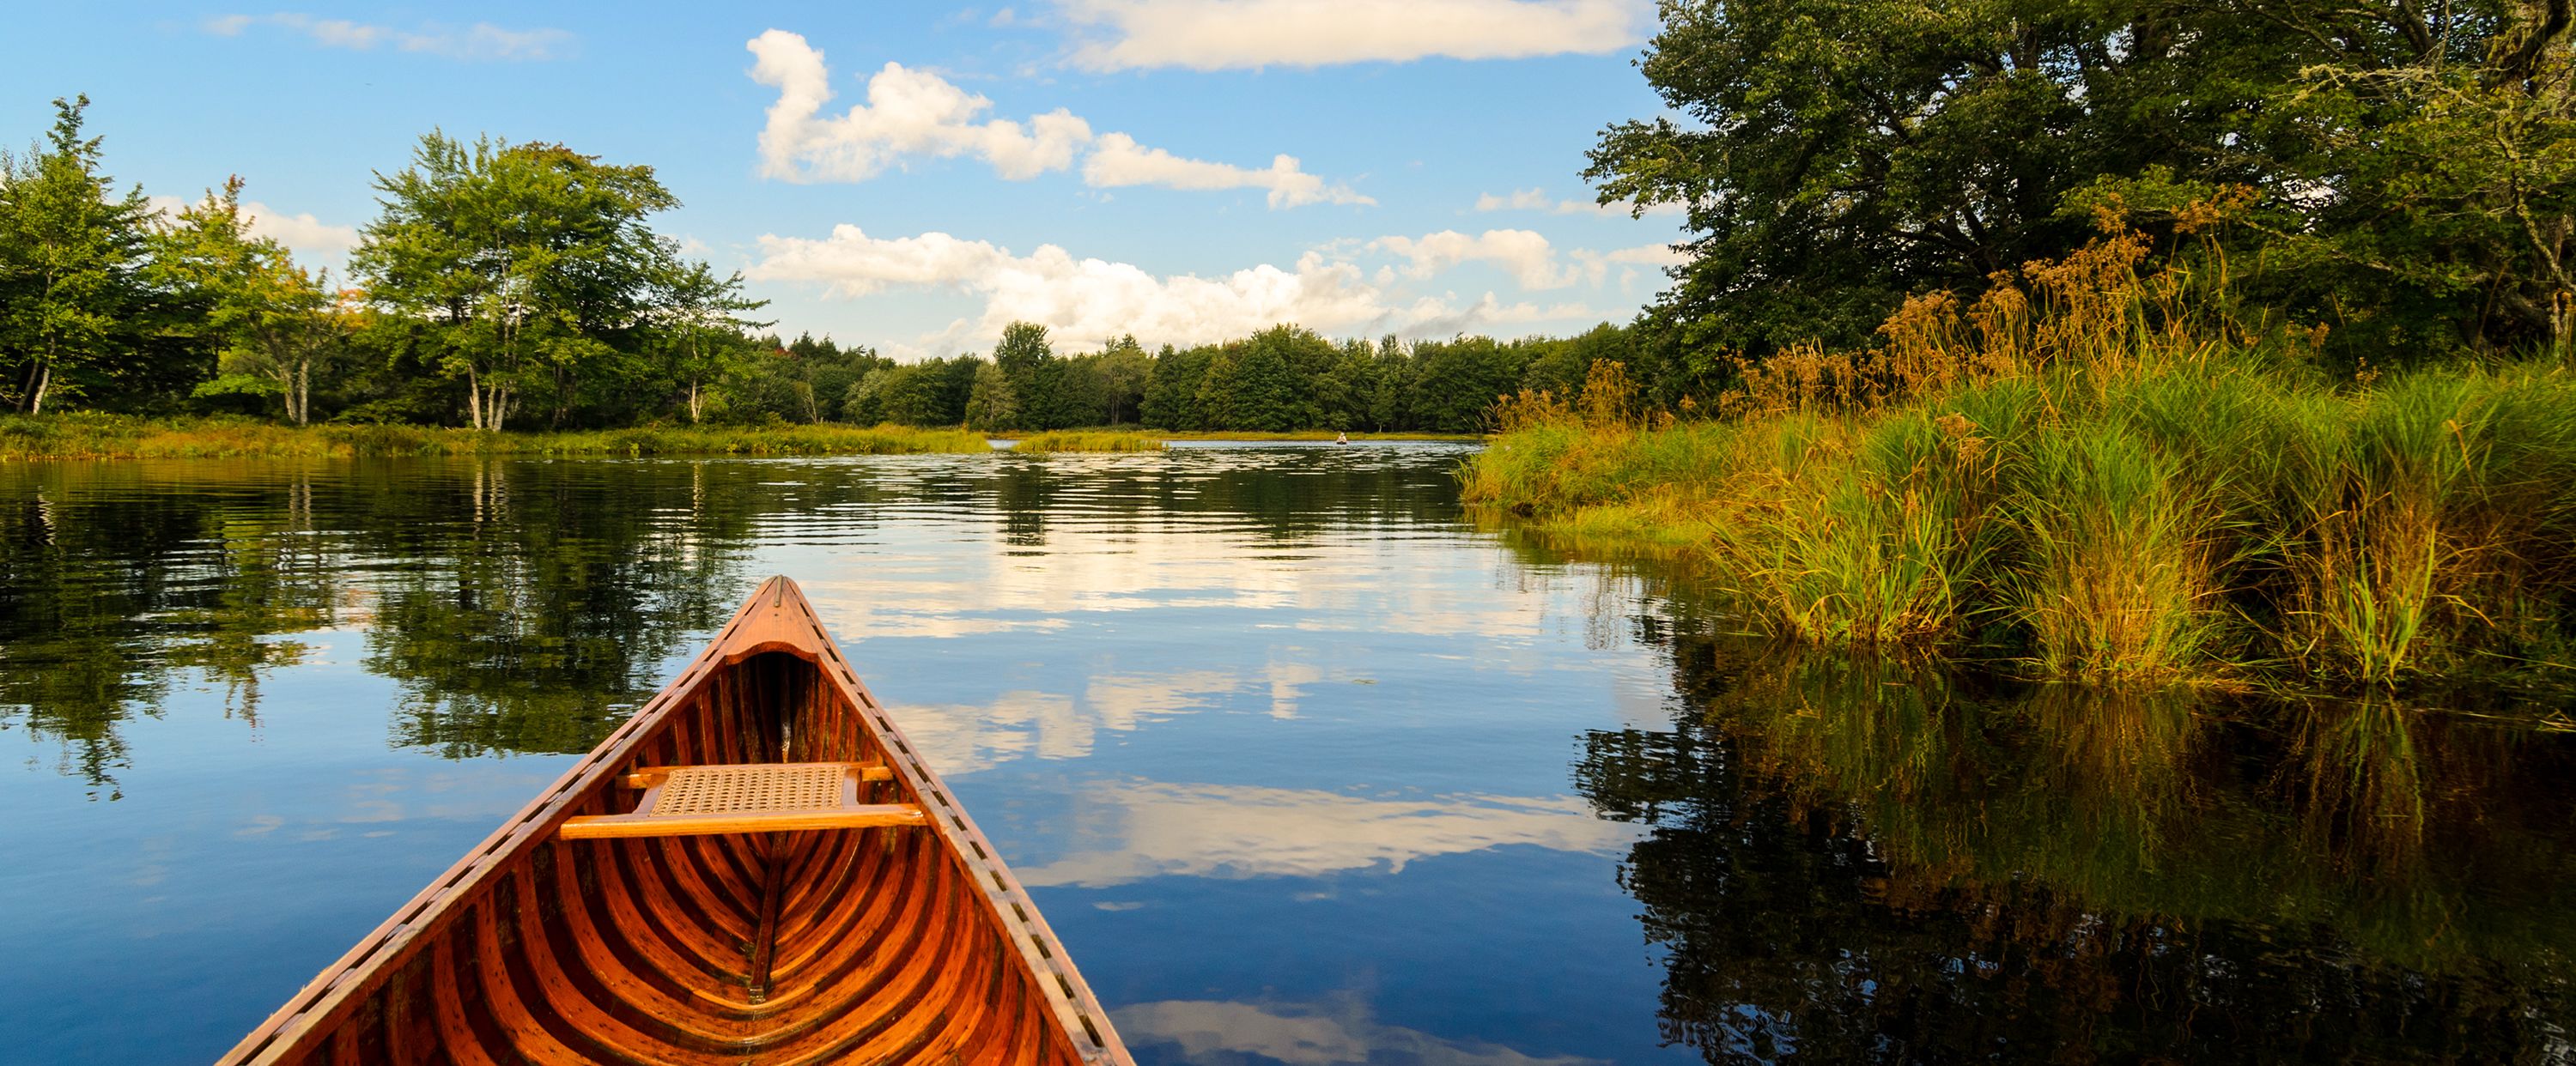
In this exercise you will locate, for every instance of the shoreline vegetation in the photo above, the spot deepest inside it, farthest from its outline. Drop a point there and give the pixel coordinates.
(83, 435)
(2105, 478)
(90, 435)
(523, 288)
(1104, 440)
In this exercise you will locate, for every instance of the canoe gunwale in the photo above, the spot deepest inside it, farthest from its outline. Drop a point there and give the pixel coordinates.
(790, 626)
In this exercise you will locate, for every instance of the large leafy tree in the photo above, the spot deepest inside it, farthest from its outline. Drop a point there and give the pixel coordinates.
(1172, 391)
(702, 324)
(74, 305)
(1458, 381)
(933, 392)
(1266, 382)
(529, 263)
(1119, 373)
(2408, 164)
(1027, 361)
(274, 324)
(992, 405)
(2421, 184)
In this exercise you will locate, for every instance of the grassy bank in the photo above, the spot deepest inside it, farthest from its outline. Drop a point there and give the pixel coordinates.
(99, 436)
(2096, 482)
(1089, 440)
(91, 435)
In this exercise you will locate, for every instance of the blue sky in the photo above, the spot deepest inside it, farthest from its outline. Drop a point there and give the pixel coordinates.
(1101, 166)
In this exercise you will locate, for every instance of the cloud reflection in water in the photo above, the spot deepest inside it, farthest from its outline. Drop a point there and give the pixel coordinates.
(1210, 1031)
(1131, 830)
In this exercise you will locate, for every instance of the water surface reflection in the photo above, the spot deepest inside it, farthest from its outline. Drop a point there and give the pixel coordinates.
(1303, 767)
(1876, 860)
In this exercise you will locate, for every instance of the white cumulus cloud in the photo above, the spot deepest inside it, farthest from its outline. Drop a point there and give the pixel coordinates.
(480, 41)
(1217, 34)
(913, 113)
(308, 237)
(1595, 266)
(301, 232)
(1539, 200)
(1091, 300)
(909, 112)
(1117, 160)
(1524, 254)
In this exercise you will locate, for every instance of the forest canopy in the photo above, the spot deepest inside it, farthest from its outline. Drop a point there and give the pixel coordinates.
(2402, 173)
(525, 286)
(2394, 182)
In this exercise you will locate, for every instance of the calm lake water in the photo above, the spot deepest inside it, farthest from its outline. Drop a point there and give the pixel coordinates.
(1303, 766)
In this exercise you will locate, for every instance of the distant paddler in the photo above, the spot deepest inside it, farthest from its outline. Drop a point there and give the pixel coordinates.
(1341, 438)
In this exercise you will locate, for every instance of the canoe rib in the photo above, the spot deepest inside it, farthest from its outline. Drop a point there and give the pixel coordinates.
(880, 929)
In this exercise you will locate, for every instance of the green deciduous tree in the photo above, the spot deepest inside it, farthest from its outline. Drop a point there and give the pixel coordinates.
(274, 325)
(72, 296)
(1172, 391)
(992, 405)
(1023, 347)
(1458, 381)
(528, 261)
(916, 395)
(2407, 164)
(1265, 382)
(701, 320)
(1122, 370)
(1344, 388)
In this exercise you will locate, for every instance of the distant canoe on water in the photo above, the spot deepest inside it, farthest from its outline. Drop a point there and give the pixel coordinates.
(756, 868)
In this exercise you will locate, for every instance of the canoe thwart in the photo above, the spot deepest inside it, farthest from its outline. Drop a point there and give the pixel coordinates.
(649, 776)
(747, 798)
(598, 826)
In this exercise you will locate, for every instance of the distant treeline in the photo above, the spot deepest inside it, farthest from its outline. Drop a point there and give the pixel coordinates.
(1283, 378)
(523, 286)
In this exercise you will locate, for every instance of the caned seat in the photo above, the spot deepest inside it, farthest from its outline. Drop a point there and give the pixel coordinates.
(747, 798)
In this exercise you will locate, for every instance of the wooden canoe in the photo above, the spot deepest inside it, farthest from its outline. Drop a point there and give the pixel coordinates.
(755, 868)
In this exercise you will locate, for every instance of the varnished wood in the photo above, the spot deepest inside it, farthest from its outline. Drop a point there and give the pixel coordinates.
(605, 826)
(649, 776)
(879, 929)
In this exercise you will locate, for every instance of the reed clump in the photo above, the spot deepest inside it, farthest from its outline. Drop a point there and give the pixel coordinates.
(2100, 476)
(1089, 440)
(91, 435)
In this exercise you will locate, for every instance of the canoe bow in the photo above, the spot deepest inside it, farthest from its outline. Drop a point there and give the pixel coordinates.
(867, 921)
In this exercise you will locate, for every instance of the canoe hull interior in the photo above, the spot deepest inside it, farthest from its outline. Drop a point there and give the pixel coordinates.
(889, 943)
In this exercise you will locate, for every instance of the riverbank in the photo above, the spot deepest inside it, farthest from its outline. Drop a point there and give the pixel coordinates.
(2128, 500)
(86, 435)
(92, 435)
(1088, 440)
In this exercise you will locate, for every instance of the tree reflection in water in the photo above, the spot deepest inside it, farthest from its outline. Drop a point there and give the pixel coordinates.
(1876, 860)
(520, 604)
(101, 604)
(527, 626)
(515, 602)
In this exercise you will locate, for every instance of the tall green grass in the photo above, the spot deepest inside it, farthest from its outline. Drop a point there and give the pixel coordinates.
(1092, 440)
(2107, 488)
(89, 435)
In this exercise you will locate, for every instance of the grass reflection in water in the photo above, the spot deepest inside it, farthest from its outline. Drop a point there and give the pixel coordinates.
(1871, 858)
